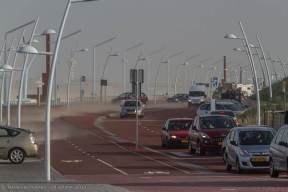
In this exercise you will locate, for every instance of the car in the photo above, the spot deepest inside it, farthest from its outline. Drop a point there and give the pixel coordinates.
(206, 107)
(225, 112)
(178, 98)
(128, 108)
(241, 105)
(224, 144)
(175, 132)
(248, 148)
(128, 95)
(208, 133)
(17, 144)
(278, 152)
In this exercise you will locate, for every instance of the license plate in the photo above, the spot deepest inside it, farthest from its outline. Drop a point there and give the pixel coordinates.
(131, 113)
(258, 159)
(184, 141)
(219, 143)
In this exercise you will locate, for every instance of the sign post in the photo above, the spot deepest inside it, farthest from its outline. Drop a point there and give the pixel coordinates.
(82, 79)
(284, 91)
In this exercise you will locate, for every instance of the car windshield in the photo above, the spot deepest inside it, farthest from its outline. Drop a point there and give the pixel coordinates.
(217, 122)
(180, 125)
(255, 137)
(131, 104)
(196, 93)
(229, 113)
(232, 107)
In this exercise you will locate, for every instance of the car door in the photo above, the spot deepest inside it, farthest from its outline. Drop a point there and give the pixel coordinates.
(5, 142)
(229, 147)
(194, 133)
(164, 132)
(274, 149)
(203, 109)
(282, 151)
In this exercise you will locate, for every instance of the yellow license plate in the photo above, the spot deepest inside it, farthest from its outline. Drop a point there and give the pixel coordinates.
(184, 141)
(219, 143)
(131, 113)
(258, 159)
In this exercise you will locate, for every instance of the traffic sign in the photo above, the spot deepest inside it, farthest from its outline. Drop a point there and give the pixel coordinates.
(133, 75)
(82, 78)
(215, 81)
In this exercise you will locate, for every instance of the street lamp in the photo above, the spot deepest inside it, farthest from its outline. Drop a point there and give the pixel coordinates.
(70, 71)
(231, 36)
(272, 62)
(197, 66)
(49, 90)
(116, 54)
(125, 61)
(168, 72)
(148, 70)
(222, 70)
(94, 65)
(155, 86)
(282, 64)
(185, 65)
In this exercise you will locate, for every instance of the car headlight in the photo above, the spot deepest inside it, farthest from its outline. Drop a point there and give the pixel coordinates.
(204, 135)
(176, 99)
(32, 138)
(189, 100)
(173, 136)
(244, 152)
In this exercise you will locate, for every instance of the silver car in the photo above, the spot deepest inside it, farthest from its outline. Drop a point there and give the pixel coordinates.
(248, 148)
(128, 108)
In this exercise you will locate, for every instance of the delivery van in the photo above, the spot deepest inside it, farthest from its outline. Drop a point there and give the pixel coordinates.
(196, 95)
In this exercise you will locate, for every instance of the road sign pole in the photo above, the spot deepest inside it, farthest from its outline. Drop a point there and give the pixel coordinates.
(80, 88)
(284, 91)
(136, 76)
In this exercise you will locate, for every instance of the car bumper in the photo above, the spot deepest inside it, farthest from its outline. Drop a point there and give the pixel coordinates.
(247, 163)
(180, 142)
(31, 151)
(195, 103)
(131, 114)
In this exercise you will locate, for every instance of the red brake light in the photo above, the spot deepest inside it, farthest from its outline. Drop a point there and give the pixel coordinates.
(222, 112)
(235, 121)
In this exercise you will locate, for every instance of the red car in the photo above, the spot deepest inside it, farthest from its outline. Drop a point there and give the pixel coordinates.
(175, 132)
(128, 95)
(208, 133)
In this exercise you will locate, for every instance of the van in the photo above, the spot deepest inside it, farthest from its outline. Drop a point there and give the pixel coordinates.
(249, 88)
(196, 95)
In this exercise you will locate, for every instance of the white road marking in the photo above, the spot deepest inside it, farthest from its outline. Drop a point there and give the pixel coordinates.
(156, 172)
(80, 149)
(71, 161)
(166, 180)
(84, 152)
(228, 189)
(181, 154)
(112, 167)
(145, 177)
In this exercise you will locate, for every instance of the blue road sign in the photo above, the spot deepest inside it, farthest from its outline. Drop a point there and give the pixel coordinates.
(82, 78)
(215, 81)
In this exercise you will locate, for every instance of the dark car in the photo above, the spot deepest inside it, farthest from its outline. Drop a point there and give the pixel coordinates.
(208, 133)
(128, 95)
(279, 152)
(175, 132)
(178, 98)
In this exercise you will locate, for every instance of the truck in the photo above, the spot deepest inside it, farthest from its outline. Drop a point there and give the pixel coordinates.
(196, 95)
(249, 88)
(228, 90)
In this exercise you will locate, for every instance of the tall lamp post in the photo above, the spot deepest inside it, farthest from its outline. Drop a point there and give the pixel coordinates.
(272, 62)
(282, 64)
(198, 65)
(49, 88)
(116, 54)
(155, 85)
(148, 69)
(168, 72)
(210, 68)
(124, 61)
(70, 71)
(231, 36)
(94, 66)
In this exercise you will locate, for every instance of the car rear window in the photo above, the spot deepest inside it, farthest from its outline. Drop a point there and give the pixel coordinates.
(255, 137)
(204, 107)
(211, 122)
(180, 125)
(229, 113)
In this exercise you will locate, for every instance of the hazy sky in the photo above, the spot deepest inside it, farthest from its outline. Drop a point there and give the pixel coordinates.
(192, 26)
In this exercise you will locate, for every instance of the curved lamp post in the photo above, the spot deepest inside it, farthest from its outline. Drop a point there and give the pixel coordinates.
(198, 65)
(116, 54)
(148, 70)
(70, 71)
(155, 85)
(231, 36)
(94, 66)
(222, 70)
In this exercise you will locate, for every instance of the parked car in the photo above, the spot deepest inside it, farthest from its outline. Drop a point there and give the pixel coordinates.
(225, 112)
(279, 152)
(128, 95)
(237, 108)
(129, 109)
(224, 144)
(248, 148)
(208, 133)
(17, 143)
(178, 98)
(175, 132)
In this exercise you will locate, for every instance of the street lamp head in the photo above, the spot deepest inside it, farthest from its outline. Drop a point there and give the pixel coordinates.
(116, 54)
(237, 49)
(6, 67)
(33, 41)
(213, 67)
(27, 49)
(166, 62)
(144, 59)
(200, 66)
(48, 32)
(251, 45)
(185, 63)
(84, 49)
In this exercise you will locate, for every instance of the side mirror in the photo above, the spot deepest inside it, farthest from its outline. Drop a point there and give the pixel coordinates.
(233, 143)
(163, 128)
(193, 127)
(282, 143)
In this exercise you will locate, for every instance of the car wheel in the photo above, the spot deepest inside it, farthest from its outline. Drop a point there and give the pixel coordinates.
(16, 156)
(228, 166)
(191, 150)
(238, 168)
(272, 171)
(122, 116)
(224, 154)
(200, 150)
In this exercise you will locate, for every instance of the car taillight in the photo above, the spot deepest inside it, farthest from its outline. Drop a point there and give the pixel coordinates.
(235, 121)
(222, 112)
(32, 138)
